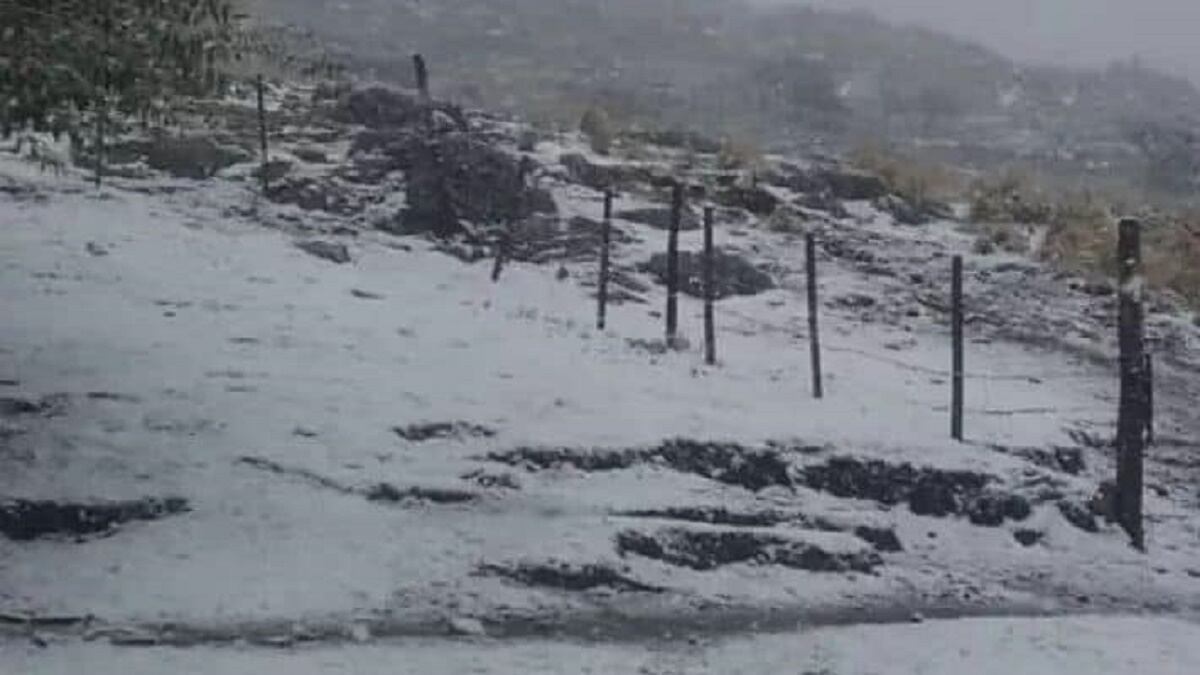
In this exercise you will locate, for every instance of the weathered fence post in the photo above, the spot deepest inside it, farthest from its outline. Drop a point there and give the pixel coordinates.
(710, 291)
(1132, 415)
(262, 134)
(814, 334)
(605, 246)
(956, 319)
(1149, 399)
(422, 74)
(105, 84)
(502, 243)
(673, 264)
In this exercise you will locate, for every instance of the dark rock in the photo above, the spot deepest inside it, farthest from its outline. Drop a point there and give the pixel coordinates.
(709, 549)
(418, 433)
(380, 107)
(455, 178)
(928, 491)
(311, 155)
(933, 497)
(1026, 537)
(727, 463)
(852, 185)
(315, 194)
(712, 515)
(753, 469)
(1078, 516)
(732, 274)
(191, 157)
(1070, 460)
(991, 509)
(48, 406)
(884, 539)
(756, 200)
(23, 520)
(275, 170)
(854, 301)
(326, 250)
(903, 211)
(386, 492)
(567, 577)
(660, 218)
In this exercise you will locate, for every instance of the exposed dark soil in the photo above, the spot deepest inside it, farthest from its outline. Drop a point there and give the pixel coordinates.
(729, 463)
(429, 431)
(24, 520)
(709, 549)
(567, 577)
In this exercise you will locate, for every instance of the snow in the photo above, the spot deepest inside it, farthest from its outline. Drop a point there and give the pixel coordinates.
(1093, 645)
(224, 339)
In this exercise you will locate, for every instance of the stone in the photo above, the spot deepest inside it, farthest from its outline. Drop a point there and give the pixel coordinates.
(1026, 537)
(326, 250)
(1076, 514)
(732, 274)
(455, 179)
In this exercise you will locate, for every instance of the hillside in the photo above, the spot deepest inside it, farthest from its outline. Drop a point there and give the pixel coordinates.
(306, 418)
(777, 76)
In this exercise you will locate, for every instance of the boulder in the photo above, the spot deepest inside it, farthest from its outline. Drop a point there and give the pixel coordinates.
(851, 185)
(454, 178)
(314, 194)
(732, 274)
(756, 200)
(381, 107)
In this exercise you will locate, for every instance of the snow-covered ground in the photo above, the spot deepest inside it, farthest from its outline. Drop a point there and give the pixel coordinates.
(190, 351)
(1097, 646)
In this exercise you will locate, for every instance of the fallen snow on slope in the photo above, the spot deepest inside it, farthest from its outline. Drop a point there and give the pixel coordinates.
(218, 341)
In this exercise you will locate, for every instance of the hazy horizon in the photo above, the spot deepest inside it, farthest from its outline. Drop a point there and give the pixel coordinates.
(1065, 32)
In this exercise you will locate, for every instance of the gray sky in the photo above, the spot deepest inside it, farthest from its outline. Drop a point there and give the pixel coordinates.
(1166, 33)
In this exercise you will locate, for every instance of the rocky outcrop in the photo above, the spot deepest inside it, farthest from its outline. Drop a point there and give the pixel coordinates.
(732, 274)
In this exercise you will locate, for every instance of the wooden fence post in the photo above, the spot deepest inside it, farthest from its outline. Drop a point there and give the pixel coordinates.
(957, 394)
(673, 264)
(710, 291)
(262, 134)
(1149, 399)
(605, 246)
(105, 85)
(814, 334)
(1131, 419)
(422, 74)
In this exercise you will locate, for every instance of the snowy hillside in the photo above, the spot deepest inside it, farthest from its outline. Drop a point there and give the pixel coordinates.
(231, 418)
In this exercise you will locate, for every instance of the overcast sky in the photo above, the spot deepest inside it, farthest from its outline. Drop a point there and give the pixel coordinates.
(1166, 33)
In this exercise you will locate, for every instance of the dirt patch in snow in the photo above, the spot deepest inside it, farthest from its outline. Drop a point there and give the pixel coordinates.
(429, 431)
(927, 491)
(712, 548)
(729, 463)
(884, 539)
(25, 520)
